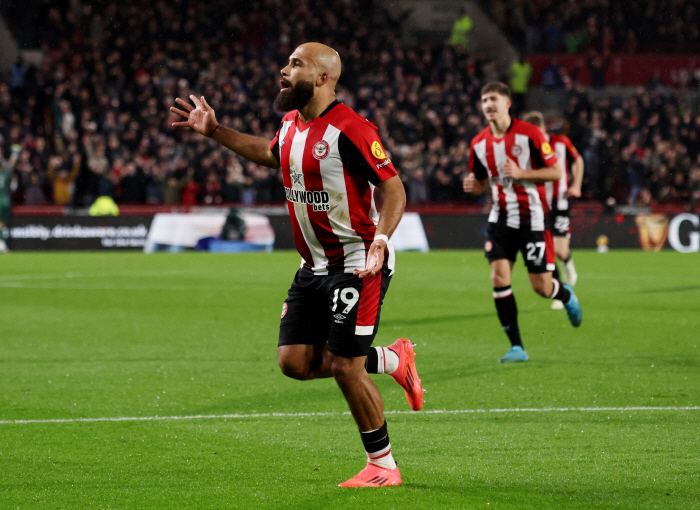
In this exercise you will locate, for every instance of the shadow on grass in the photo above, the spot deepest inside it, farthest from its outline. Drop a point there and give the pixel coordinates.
(685, 288)
(440, 319)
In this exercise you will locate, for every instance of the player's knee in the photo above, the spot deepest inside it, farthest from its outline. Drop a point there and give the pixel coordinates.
(293, 368)
(341, 368)
(499, 280)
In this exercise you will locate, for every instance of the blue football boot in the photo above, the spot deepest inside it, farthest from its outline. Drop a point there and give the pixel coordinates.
(515, 354)
(573, 308)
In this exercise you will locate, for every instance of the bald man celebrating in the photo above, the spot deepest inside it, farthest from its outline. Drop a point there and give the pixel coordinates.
(332, 160)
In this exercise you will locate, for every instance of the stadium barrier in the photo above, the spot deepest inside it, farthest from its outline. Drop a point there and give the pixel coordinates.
(437, 227)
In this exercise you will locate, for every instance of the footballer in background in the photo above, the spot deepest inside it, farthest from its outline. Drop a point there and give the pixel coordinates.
(514, 158)
(6, 169)
(558, 193)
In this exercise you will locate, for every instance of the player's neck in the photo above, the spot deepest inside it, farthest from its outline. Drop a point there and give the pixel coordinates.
(500, 126)
(316, 107)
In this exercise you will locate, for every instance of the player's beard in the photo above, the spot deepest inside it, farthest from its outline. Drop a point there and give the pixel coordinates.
(295, 97)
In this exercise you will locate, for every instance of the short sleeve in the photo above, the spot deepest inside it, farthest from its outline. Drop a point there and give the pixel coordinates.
(476, 166)
(362, 151)
(275, 145)
(541, 151)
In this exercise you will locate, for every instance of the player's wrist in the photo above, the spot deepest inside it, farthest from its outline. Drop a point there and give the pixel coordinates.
(382, 237)
(211, 134)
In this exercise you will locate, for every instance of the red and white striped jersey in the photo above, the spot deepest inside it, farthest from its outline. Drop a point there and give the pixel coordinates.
(566, 155)
(517, 204)
(330, 167)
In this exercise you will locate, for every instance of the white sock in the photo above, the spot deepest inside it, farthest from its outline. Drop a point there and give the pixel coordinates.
(383, 458)
(391, 361)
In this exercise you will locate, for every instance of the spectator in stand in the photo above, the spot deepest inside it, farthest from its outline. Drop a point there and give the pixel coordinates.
(62, 173)
(602, 25)
(110, 72)
(34, 191)
(190, 189)
(552, 76)
(638, 172)
(460, 30)
(520, 73)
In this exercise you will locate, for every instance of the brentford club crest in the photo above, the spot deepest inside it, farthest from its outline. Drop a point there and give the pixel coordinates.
(321, 149)
(488, 246)
(516, 150)
(284, 309)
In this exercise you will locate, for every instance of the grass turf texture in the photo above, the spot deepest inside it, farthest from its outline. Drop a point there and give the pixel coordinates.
(129, 335)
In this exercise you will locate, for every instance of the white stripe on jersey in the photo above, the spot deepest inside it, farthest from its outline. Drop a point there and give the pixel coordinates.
(512, 205)
(333, 177)
(296, 158)
(283, 133)
(534, 202)
(562, 202)
(480, 152)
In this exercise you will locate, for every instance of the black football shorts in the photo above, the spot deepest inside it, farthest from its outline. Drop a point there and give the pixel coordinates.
(503, 242)
(339, 309)
(560, 223)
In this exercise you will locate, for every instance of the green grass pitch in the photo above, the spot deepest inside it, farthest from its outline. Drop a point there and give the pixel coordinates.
(88, 335)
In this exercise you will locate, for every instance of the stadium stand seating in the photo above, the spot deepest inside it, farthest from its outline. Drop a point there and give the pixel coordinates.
(99, 104)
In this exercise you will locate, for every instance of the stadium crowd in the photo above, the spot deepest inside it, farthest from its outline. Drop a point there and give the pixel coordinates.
(605, 26)
(94, 119)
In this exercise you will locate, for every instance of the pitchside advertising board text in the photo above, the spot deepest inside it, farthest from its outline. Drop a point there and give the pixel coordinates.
(442, 231)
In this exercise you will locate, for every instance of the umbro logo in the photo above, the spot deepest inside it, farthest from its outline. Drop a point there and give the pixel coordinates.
(339, 318)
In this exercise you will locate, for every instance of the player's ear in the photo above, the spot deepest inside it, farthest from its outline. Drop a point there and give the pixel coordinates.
(322, 79)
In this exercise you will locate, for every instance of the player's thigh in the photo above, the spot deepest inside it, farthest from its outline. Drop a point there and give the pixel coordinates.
(538, 250)
(305, 316)
(355, 305)
(500, 243)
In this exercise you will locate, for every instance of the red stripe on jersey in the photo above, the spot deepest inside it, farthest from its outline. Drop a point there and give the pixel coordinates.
(501, 200)
(369, 300)
(549, 247)
(523, 204)
(542, 190)
(320, 223)
(299, 241)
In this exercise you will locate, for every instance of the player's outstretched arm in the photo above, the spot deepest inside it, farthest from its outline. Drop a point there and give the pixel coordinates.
(202, 119)
(472, 185)
(392, 210)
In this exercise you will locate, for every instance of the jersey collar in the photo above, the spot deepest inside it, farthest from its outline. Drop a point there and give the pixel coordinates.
(330, 107)
(510, 126)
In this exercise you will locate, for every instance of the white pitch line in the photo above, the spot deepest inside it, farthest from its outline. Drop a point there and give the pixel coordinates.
(299, 415)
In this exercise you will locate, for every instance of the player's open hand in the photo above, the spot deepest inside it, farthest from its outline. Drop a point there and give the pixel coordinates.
(375, 259)
(200, 117)
(512, 170)
(573, 191)
(469, 183)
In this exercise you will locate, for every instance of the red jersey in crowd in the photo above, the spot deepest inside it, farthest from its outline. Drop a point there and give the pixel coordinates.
(330, 167)
(566, 154)
(517, 204)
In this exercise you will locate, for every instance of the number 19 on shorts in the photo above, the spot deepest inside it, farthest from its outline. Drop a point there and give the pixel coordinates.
(349, 296)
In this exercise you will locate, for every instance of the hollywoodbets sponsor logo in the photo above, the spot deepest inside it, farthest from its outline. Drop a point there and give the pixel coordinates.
(320, 200)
